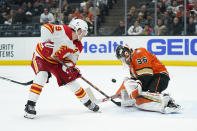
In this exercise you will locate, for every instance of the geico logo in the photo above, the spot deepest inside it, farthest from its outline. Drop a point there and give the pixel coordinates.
(108, 47)
(172, 46)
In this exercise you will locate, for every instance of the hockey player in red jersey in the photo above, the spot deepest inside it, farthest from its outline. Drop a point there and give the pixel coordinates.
(149, 78)
(60, 42)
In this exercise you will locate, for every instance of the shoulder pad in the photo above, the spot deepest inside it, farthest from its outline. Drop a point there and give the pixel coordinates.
(50, 27)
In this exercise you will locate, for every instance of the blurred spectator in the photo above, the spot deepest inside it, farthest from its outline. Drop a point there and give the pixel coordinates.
(180, 1)
(147, 30)
(47, 3)
(120, 30)
(19, 18)
(58, 17)
(180, 14)
(191, 1)
(88, 4)
(149, 20)
(174, 6)
(8, 18)
(29, 9)
(52, 6)
(92, 11)
(77, 14)
(66, 9)
(135, 29)
(170, 12)
(5, 17)
(160, 28)
(141, 19)
(67, 19)
(37, 8)
(167, 2)
(103, 6)
(11, 17)
(29, 12)
(18, 2)
(191, 27)
(195, 12)
(196, 29)
(4, 8)
(1, 19)
(159, 14)
(143, 10)
(131, 16)
(167, 20)
(87, 16)
(176, 28)
(162, 6)
(46, 17)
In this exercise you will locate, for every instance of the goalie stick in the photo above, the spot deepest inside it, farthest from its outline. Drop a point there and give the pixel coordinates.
(17, 82)
(88, 82)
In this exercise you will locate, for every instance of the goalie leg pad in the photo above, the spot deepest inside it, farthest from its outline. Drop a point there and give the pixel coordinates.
(152, 101)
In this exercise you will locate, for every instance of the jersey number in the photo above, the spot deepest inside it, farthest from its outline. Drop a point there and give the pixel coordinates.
(58, 28)
(141, 60)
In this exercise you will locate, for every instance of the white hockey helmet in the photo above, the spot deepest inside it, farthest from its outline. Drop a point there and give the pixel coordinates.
(77, 24)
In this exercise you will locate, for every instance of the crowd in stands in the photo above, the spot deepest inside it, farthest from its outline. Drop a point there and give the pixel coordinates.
(170, 19)
(24, 17)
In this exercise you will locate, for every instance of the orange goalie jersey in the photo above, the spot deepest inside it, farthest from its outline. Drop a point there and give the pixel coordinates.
(145, 63)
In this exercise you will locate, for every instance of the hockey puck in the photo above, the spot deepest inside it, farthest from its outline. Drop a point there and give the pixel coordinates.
(113, 80)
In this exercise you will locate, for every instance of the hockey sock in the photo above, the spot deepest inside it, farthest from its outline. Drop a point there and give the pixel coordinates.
(82, 95)
(35, 91)
(36, 88)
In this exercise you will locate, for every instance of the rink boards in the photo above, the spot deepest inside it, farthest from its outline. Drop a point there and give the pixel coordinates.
(171, 50)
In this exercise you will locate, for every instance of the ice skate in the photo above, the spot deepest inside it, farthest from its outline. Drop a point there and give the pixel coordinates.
(172, 107)
(92, 106)
(30, 111)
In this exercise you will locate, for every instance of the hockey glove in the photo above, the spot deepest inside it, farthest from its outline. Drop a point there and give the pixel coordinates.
(73, 72)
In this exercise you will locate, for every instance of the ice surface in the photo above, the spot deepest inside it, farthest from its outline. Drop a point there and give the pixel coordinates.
(59, 110)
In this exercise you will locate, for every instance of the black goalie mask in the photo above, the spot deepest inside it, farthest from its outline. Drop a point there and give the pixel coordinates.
(123, 53)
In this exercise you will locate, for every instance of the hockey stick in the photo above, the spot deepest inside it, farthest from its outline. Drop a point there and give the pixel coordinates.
(107, 99)
(96, 88)
(94, 99)
(17, 82)
(88, 82)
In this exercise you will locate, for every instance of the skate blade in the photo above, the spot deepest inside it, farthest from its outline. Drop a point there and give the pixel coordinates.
(172, 110)
(29, 116)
